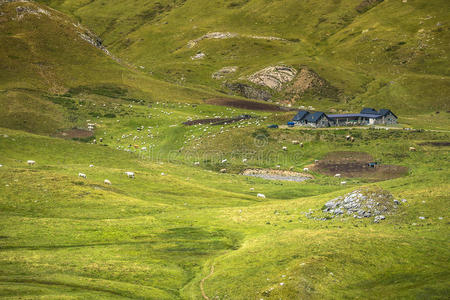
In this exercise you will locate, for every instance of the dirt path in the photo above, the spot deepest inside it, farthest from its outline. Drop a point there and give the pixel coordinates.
(203, 281)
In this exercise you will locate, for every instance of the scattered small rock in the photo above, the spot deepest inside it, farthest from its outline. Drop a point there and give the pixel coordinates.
(199, 55)
(363, 203)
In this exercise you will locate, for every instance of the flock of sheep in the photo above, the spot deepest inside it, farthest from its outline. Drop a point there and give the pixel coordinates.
(83, 175)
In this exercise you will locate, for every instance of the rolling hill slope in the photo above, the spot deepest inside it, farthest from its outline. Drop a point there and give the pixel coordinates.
(371, 52)
(44, 54)
(190, 223)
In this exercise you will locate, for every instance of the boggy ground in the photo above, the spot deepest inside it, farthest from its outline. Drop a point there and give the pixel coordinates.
(356, 164)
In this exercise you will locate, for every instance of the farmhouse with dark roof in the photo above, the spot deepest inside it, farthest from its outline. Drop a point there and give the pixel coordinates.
(367, 116)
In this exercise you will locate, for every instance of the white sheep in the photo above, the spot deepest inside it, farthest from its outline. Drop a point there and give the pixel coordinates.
(91, 166)
(284, 148)
(337, 175)
(1, 166)
(306, 169)
(106, 181)
(197, 163)
(294, 142)
(343, 182)
(244, 160)
(259, 195)
(224, 160)
(31, 162)
(130, 174)
(82, 175)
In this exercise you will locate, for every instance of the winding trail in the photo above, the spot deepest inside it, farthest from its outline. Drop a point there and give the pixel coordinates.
(203, 281)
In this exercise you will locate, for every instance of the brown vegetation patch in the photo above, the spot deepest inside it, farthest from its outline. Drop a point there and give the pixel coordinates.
(365, 5)
(356, 164)
(217, 121)
(436, 144)
(245, 104)
(74, 133)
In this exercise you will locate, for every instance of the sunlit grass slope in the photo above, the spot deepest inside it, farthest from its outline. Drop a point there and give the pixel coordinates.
(379, 53)
(157, 236)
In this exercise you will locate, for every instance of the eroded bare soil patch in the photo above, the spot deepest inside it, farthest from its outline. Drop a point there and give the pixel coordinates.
(74, 133)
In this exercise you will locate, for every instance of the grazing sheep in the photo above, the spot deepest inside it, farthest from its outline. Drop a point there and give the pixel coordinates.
(261, 196)
(91, 166)
(101, 140)
(224, 160)
(295, 142)
(244, 160)
(252, 189)
(348, 137)
(1, 166)
(306, 169)
(316, 161)
(163, 174)
(130, 174)
(337, 175)
(352, 139)
(223, 170)
(31, 162)
(106, 181)
(284, 148)
(301, 145)
(343, 182)
(197, 163)
(82, 175)
(412, 149)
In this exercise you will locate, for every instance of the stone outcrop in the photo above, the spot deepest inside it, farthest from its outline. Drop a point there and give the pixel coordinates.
(220, 74)
(212, 35)
(363, 203)
(198, 56)
(229, 35)
(273, 77)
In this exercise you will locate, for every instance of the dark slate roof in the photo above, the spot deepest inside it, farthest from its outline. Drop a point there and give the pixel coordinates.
(355, 115)
(367, 110)
(314, 117)
(385, 111)
(300, 115)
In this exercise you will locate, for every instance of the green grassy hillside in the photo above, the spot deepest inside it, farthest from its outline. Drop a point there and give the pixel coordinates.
(158, 235)
(45, 54)
(374, 52)
(190, 225)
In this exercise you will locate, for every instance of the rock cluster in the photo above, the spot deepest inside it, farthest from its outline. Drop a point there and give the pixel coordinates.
(223, 72)
(28, 10)
(273, 77)
(212, 35)
(364, 203)
(199, 55)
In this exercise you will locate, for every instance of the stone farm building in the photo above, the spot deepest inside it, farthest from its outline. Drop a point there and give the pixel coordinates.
(367, 116)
